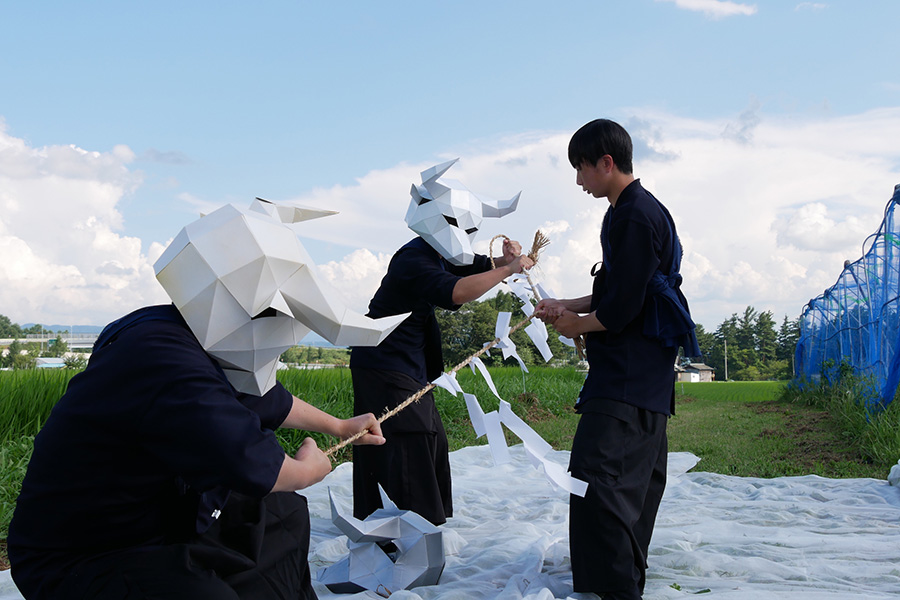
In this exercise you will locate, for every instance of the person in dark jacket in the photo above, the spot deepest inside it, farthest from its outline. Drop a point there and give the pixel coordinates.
(436, 269)
(158, 473)
(633, 322)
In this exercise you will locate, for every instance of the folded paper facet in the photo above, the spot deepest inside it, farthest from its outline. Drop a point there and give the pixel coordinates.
(390, 550)
(447, 215)
(248, 290)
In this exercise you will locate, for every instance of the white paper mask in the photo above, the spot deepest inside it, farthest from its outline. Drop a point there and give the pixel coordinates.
(448, 216)
(248, 290)
(390, 550)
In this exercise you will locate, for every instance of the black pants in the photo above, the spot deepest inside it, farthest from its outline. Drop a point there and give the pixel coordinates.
(256, 551)
(621, 452)
(413, 465)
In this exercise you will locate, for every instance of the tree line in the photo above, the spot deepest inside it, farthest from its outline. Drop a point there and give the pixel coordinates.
(747, 347)
(23, 354)
(750, 346)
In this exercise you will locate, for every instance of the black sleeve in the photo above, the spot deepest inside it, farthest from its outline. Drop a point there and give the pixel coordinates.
(197, 426)
(421, 274)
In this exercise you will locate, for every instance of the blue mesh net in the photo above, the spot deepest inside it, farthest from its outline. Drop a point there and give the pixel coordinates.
(856, 323)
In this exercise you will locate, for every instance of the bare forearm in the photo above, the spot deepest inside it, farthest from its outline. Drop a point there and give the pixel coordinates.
(473, 287)
(309, 418)
(577, 305)
(298, 474)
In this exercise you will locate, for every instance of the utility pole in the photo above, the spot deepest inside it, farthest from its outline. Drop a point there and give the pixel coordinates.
(726, 358)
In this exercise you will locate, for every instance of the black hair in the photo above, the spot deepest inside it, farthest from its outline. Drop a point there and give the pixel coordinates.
(598, 138)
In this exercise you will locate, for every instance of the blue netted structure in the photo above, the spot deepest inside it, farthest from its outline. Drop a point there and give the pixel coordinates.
(856, 322)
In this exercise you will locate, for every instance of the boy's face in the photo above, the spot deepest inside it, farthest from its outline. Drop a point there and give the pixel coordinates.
(594, 179)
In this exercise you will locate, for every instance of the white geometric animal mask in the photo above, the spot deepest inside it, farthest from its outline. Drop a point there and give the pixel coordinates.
(390, 550)
(448, 216)
(248, 290)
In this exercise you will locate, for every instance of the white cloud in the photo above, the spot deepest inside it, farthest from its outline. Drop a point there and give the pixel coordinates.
(715, 9)
(767, 217)
(810, 6)
(810, 228)
(356, 277)
(63, 258)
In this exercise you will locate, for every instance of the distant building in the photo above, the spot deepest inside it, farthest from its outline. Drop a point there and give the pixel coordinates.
(49, 362)
(694, 372)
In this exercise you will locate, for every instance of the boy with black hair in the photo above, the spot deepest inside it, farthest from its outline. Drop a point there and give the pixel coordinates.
(633, 322)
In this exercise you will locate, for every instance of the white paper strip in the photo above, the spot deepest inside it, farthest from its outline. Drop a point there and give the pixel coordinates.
(525, 433)
(484, 373)
(537, 331)
(476, 414)
(501, 329)
(496, 439)
(557, 476)
(544, 292)
(449, 383)
(518, 285)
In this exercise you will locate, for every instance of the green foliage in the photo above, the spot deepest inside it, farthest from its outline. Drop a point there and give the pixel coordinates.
(309, 355)
(75, 361)
(20, 355)
(854, 402)
(57, 347)
(466, 330)
(26, 399)
(8, 329)
(752, 348)
(14, 457)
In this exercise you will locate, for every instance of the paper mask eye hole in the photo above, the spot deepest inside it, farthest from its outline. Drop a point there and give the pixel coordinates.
(452, 221)
(269, 312)
(471, 230)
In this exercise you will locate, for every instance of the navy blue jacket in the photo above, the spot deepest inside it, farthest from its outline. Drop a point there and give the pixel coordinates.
(627, 362)
(140, 451)
(418, 279)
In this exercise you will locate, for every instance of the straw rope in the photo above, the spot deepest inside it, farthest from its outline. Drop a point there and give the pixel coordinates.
(540, 242)
(418, 395)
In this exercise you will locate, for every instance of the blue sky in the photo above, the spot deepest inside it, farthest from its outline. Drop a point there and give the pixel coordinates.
(768, 128)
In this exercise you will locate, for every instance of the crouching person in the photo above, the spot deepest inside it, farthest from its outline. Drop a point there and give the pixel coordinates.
(158, 474)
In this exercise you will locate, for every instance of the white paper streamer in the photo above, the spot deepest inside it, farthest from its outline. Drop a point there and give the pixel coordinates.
(537, 331)
(484, 373)
(449, 383)
(476, 414)
(496, 439)
(525, 433)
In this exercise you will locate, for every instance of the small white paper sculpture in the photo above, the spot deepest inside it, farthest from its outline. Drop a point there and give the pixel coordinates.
(390, 550)
(447, 215)
(248, 290)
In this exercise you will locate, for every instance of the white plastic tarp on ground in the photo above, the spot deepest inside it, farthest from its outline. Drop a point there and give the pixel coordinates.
(802, 538)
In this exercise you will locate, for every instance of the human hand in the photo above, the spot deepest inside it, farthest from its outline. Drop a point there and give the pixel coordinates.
(568, 324)
(519, 264)
(511, 249)
(367, 423)
(316, 464)
(548, 310)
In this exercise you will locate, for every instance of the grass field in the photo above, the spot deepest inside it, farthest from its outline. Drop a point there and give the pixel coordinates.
(752, 429)
(748, 429)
